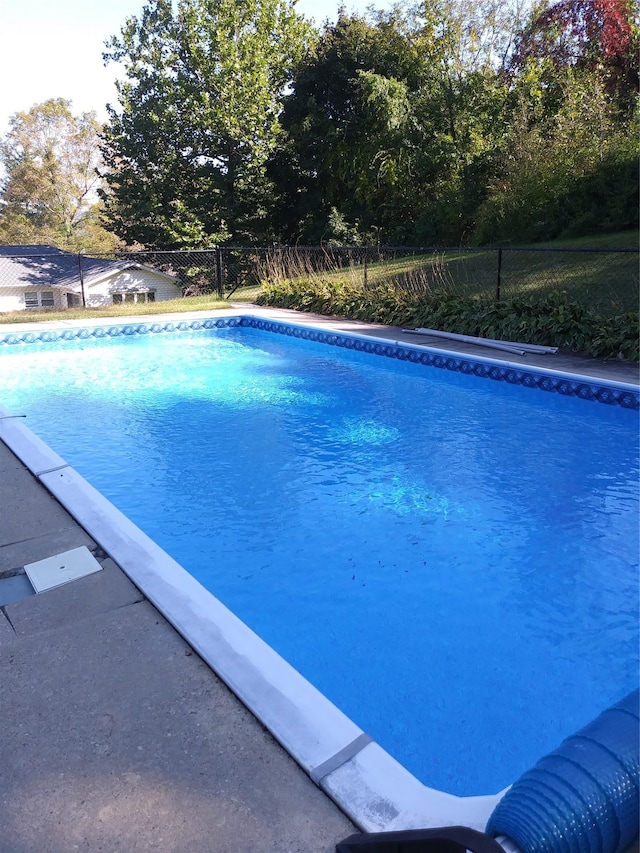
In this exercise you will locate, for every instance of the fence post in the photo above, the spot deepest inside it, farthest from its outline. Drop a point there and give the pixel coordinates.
(219, 275)
(365, 269)
(81, 271)
(499, 275)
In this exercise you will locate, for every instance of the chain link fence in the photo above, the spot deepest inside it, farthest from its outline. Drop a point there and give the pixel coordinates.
(41, 277)
(605, 279)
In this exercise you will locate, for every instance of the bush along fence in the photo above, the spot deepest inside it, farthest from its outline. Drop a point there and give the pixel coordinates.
(583, 301)
(560, 297)
(606, 279)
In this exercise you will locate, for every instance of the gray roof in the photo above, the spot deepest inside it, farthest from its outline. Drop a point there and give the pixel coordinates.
(46, 266)
(30, 250)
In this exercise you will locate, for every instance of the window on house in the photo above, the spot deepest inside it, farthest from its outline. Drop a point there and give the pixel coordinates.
(134, 297)
(38, 299)
(73, 300)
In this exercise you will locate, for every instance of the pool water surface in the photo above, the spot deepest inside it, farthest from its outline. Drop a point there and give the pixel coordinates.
(451, 560)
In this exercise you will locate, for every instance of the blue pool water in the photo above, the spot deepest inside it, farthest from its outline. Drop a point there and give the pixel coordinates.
(451, 560)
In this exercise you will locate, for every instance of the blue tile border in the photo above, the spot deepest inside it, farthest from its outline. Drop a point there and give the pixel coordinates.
(560, 384)
(48, 336)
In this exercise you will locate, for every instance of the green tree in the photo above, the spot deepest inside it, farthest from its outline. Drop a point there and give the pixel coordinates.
(569, 163)
(461, 111)
(392, 123)
(50, 160)
(569, 173)
(346, 121)
(186, 153)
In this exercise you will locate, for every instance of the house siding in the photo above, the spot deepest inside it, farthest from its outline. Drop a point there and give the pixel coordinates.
(12, 298)
(29, 269)
(131, 281)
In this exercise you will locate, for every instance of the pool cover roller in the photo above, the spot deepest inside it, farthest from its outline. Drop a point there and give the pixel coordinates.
(583, 797)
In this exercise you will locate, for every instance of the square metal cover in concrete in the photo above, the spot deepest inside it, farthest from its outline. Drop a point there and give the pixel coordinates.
(58, 570)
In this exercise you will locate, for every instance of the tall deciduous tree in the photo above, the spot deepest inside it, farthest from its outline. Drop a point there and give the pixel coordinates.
(569, 162)
(601, 36)
(186, 153)
(50, 159)
(390, 119)
(346, 121)
(461, 110)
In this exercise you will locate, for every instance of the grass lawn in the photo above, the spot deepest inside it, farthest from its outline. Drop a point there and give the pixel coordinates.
(171, 306)
(618, 240)
(602, 279)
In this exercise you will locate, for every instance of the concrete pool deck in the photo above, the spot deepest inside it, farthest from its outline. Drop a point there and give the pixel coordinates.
(116, 735)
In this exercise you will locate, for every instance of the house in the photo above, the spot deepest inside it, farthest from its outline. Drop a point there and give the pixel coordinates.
(46, 277)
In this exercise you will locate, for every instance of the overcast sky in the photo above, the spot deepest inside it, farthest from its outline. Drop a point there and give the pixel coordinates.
(53, 49)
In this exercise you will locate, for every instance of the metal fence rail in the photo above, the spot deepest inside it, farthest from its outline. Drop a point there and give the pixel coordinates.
(45, 278)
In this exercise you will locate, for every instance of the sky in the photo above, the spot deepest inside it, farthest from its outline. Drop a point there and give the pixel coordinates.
(53, 49)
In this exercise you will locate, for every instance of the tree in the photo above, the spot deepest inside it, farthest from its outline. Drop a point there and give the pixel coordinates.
(461, 111)
(601, 36)
(569, 162)
(392, 122)
(50, 159)
(346, 121)
(186, 155)
(568, 173)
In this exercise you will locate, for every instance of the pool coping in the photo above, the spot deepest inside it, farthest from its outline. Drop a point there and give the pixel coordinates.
(367, 783)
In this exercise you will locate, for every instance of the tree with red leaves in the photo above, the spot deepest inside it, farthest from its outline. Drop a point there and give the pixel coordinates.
(599, 35)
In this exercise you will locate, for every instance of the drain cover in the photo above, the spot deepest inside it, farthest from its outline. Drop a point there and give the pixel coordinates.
(58, 570)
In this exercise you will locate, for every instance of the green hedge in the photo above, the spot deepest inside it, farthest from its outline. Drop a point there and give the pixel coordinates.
(552, 320)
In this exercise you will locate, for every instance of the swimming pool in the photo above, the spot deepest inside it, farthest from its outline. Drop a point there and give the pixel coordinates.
(384, 462)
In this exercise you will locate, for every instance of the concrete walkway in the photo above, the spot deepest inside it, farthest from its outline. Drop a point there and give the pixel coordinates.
(114, 735)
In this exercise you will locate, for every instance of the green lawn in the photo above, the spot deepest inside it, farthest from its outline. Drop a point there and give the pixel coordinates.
(245, 294)
(604, 280)
(171, 306)
(619, 240)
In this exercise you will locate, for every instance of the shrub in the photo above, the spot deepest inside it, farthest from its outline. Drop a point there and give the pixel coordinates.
(551, 320)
